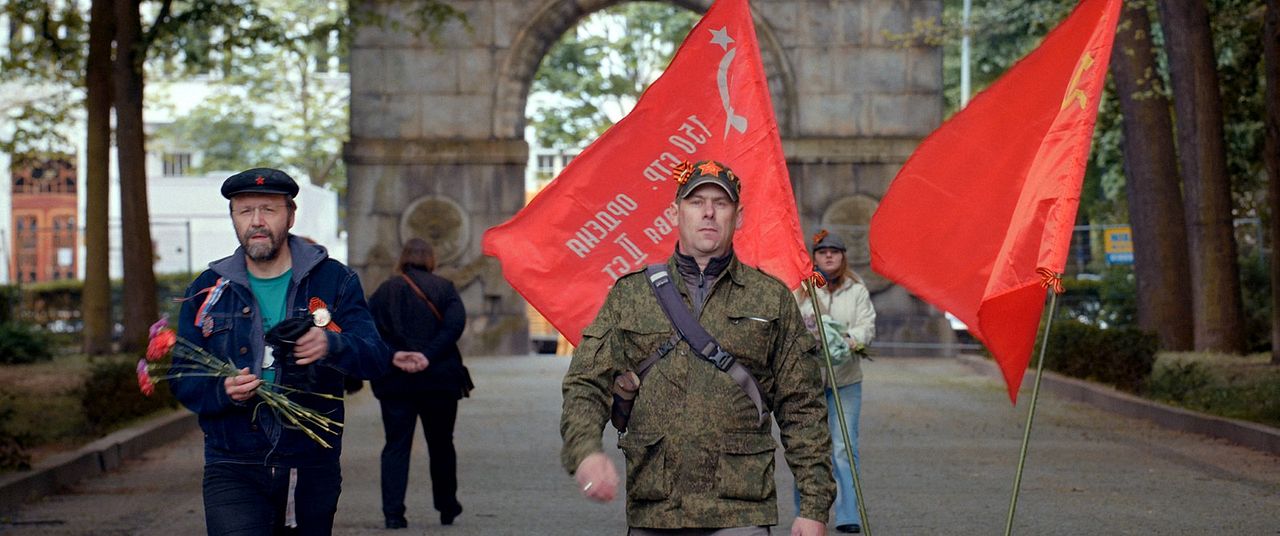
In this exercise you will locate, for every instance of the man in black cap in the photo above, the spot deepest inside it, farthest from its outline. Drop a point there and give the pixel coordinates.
(697, 433)
(262, 473)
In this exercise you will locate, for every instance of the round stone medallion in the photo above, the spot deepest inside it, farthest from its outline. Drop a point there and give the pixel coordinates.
(440, 221)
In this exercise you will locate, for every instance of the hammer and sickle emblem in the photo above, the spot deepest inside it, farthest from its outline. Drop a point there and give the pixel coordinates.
(1074, 93)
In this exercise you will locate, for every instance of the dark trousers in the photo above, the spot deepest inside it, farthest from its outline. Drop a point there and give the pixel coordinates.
(438, 411)
(250, 500)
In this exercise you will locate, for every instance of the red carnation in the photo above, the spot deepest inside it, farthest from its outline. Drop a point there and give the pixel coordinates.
(160, 345)
(144, 379)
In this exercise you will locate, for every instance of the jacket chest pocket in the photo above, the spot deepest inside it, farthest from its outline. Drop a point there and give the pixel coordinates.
(641, 337)
(216, 328)
(749, 336)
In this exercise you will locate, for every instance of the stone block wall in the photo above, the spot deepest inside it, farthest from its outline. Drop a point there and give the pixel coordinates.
(437, 124)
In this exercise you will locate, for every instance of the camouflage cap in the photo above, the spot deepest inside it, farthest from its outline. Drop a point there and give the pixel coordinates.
(690, 176)
(259, 181)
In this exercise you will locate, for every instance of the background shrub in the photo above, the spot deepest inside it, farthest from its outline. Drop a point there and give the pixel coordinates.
(1109, 300)
(1178, 381)
(1255, 290)
(110, 395)
(1220, 384)
(13, 454)
(1122, 357)
(23, 343)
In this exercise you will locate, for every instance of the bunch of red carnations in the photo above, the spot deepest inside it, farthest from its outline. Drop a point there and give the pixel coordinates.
(188, 360)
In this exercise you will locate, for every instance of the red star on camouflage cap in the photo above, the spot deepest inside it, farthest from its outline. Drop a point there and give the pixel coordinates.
(690, 176)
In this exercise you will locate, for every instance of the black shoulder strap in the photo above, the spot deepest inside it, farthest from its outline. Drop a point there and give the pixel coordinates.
(702, 343)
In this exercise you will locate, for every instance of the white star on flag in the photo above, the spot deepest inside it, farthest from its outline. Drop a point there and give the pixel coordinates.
(721, 37)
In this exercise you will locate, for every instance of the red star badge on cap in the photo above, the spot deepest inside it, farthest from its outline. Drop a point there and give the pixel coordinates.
(710, 168)
(259, 181)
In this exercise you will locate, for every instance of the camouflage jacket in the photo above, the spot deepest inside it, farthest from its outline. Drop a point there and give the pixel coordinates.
(696, 454)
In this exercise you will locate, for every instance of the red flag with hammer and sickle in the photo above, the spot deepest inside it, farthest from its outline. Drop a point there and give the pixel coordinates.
(611, 211)
(979, 219)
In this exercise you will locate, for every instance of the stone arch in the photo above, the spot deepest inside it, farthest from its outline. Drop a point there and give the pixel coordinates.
(443, 116)
(555, 17)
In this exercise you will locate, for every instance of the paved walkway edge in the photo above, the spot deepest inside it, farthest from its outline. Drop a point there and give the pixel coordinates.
(1252, 435)
(106, 454)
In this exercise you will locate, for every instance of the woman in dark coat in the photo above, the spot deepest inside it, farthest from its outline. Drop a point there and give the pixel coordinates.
(427, 319)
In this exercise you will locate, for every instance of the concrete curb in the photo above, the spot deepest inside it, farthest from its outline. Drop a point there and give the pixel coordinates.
(1248, 434)
(105, 454)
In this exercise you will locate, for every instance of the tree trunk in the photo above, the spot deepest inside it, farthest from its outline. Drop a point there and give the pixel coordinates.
(1271, 157)
(96, 300)
(135, 220)
(1152, 184)
(1215, 273)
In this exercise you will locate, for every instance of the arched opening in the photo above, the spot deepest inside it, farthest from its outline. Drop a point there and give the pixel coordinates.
(587, 81)
(629, 41)
(556, 17)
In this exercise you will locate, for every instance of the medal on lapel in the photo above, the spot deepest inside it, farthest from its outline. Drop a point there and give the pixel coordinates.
(321, 316)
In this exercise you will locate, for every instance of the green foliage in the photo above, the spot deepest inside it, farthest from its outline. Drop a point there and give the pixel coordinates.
(1122, 357)
(226, 134)
(13, 454)
(23, 343)
(45, 303)
(1178, 381)
(1255, 287)
(1107, 302)
(1003, 31)
(1237, 39)
(268, 53)
(278, 57)
(10, 300)
(1228, 386)
(110, 395)
(595, 73)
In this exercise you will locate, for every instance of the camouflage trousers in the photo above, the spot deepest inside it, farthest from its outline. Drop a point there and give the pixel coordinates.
(735, 531)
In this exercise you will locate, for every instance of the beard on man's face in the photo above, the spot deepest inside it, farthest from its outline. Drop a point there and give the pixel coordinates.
(261, 251)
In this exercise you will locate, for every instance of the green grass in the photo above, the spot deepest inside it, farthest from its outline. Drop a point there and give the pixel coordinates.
(47, 413)
(1245, 388)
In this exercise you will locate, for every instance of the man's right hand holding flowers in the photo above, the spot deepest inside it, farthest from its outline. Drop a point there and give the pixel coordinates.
(243, 386)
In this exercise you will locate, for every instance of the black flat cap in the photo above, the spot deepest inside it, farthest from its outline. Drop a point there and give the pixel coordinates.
(259, 181)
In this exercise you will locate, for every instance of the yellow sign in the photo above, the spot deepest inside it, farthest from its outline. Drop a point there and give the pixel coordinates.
(1117, 243)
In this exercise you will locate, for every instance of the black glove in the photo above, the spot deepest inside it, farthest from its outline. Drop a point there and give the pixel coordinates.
(282, 338)
(285, 334)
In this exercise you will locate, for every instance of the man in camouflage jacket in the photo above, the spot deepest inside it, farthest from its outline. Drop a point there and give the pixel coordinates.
(698, 455)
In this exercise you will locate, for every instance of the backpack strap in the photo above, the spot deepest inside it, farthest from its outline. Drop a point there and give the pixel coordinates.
(702, 343)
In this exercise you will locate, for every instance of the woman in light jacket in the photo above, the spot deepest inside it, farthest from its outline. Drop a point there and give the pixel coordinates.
(846, 300)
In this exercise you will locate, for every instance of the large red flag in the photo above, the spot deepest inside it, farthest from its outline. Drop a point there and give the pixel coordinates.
(989, 199)
(610, 212)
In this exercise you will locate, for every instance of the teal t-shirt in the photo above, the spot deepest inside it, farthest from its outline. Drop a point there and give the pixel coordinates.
(271, 294)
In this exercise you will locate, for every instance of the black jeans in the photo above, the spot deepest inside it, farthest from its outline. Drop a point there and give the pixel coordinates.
(438, 410)
(250, 500)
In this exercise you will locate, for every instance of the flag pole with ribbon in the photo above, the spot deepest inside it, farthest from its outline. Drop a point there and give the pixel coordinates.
(811, 285)
(981, 215)
(1052, 283)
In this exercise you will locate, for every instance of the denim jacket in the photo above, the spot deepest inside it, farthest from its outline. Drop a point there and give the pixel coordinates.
(221, 315)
